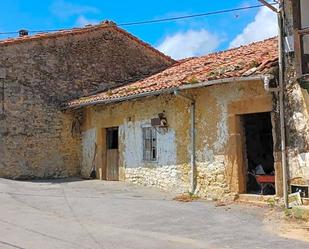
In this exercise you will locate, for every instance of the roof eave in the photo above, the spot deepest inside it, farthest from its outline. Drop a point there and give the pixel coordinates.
(121, 99)
(168, 90)
(222, 81)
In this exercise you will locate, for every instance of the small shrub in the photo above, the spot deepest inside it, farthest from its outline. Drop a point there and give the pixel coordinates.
(186, 197)
(271, 202)
(288, 213)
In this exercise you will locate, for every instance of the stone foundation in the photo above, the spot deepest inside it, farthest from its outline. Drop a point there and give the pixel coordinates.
(211, 179)
(170, 177)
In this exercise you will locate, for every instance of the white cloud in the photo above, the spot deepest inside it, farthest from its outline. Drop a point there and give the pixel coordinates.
(190, 43)
(63, 9)
(82, 21)
(264, 26)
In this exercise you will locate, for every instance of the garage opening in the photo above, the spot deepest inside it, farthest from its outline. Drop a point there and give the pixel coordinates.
(259, 154)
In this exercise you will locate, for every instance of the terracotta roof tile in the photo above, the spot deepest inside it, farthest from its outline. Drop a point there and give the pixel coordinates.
(253, 59)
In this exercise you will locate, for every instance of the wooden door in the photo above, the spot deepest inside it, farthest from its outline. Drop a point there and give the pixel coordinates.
(112, 165)
(112, 154)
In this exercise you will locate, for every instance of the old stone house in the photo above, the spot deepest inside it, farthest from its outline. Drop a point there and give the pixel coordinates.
(38, 73)
(200, 125)
(98, 97)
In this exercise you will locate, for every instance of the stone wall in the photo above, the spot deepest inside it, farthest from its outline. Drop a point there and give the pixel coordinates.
(212, 181)
(296, 113)
(170, 178)
(37, 75)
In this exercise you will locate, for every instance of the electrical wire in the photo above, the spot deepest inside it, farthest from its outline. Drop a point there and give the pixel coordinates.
(157, 20)
(192, 16)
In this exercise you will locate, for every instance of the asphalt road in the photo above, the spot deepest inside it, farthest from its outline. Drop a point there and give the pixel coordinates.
(97, 214)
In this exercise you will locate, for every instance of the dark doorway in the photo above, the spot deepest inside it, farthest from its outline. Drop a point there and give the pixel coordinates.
(112, 138)
(259, 153)
(112, 154)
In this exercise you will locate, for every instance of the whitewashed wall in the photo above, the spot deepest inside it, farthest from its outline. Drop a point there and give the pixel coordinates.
(132, 135)
(164, 173)
(88, 150)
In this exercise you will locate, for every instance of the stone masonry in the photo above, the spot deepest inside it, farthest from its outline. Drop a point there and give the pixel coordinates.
(38, 73)
(296, 112)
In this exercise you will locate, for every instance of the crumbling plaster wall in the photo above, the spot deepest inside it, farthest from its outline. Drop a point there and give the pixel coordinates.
(37, 76)
(171, 172)
(164, 172)
(167, 172)
(297, 134)
(131, 132)
(88, 151)
(296, 114)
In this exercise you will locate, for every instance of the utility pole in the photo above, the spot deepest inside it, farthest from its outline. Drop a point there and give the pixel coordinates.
(281, 99)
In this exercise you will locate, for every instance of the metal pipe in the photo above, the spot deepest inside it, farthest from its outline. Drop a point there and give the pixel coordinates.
(281, 108)
(281, 99)
(193, 165)
(192, 142)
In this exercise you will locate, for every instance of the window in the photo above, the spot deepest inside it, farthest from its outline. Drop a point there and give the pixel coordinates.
(301, 28)
(149, 144)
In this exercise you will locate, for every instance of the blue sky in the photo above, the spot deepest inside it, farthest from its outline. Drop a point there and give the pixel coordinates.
(190, 37)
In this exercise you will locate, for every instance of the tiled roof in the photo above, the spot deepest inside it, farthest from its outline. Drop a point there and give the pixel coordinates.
(76, 31)
(251, 60)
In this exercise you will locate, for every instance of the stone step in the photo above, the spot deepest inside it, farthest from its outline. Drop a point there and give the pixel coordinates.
(258, 199)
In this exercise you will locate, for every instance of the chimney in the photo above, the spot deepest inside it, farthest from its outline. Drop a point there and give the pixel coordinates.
(23, 32)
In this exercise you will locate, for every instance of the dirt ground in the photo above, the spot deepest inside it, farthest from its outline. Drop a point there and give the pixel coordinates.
(276, 221)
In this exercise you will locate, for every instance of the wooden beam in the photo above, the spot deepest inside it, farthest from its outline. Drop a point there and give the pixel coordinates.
(269, 6)
(304, 31)
(297, 36)
(296, 14)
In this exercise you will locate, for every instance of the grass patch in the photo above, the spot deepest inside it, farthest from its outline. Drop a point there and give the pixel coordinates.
(288, 213)
(271, 202)
(187, 197)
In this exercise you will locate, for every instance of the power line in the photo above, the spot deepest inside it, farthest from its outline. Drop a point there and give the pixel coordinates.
(192, 16)
(158, 20)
